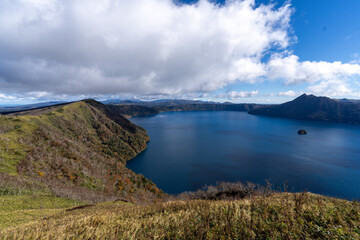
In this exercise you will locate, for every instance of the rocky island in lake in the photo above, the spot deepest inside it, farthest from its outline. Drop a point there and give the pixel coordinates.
(302, 132)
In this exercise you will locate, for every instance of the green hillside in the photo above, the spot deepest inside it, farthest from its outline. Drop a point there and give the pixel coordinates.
(77, 151)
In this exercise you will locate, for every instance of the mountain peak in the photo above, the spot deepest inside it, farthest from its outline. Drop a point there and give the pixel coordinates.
(311, 107)
(304, 95)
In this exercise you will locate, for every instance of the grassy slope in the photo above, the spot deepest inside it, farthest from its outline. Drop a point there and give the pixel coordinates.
(20, 209)
(12, 150)
(77, 151)
(280, 216)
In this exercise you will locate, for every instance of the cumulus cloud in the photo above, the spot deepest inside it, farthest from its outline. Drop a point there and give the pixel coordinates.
(334, 88)
(148, 47)
(294, 71)
(138, 46)
(333, 79)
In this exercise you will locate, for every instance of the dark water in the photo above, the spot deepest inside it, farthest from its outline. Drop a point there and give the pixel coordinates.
(190, 149)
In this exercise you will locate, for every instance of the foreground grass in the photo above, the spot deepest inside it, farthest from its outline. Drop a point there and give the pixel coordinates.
(17, 210)
(280, 216)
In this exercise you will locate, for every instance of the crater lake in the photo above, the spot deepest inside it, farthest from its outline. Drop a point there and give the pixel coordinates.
(188, 150)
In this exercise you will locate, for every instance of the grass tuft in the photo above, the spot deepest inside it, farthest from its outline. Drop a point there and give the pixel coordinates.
(277, 216)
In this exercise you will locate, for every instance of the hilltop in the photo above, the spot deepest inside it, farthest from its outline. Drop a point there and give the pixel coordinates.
(310, 107)
(77, 150)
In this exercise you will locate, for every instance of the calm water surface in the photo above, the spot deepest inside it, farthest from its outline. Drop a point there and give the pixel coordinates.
(188, 150)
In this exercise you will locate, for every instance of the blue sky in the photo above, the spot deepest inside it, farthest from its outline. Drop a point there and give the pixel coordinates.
(240, 51)
(325, 30)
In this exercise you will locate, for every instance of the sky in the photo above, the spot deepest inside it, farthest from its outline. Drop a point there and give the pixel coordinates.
(265, 51)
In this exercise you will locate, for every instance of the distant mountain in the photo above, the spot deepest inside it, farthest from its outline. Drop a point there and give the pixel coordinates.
(345, 100)
(120, 101)
(132, 110)
(310, 107)
(155, 103)
(175, 102)
(12, 109)
(242, 107)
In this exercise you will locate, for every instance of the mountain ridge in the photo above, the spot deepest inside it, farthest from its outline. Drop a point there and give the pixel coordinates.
(310, 107)
(78, 150)
(304, 107)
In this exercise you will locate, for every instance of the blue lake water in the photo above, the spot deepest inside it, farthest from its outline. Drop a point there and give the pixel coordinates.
(188, 150)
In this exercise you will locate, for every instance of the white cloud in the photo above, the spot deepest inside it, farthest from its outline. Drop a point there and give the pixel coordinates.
(139, 46)
(233, 95)
(333, 79)
(287, 94)
(149, 48)
(4, 97)
(334, 88)
(294, 71)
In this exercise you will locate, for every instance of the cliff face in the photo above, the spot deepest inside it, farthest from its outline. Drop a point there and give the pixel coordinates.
(134, 110)
(77, 150)
(310, 107)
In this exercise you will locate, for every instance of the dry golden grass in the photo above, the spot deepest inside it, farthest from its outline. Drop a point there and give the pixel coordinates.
(20, 209)
(280, 216)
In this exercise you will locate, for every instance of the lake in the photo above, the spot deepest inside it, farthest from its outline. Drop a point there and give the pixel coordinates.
(188, 150)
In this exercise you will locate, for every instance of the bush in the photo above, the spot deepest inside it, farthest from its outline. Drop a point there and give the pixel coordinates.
(229, 191)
